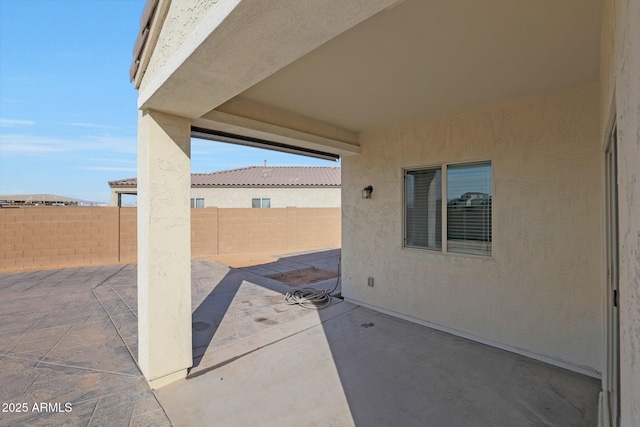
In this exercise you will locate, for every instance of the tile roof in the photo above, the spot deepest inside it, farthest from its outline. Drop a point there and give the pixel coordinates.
(252, 176)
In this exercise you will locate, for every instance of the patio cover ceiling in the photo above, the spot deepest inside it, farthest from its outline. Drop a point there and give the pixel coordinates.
(318, 76)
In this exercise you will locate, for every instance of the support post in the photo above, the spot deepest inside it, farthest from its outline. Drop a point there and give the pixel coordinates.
(164, 247)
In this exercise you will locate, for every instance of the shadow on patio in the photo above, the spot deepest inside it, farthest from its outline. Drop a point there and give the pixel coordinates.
(235, 305)
(348, 365)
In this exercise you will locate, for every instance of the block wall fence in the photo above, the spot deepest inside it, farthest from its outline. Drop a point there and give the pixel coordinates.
(56, 237)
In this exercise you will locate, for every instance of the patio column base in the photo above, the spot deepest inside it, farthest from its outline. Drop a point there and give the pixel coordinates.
(167, 379)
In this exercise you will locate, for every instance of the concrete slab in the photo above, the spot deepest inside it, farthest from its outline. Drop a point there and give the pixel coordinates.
(365, 368)
(284, 265)
(284, 384)
(261, 258)
(224, 354)
(245, 259)
(262, 270)
(323, 260)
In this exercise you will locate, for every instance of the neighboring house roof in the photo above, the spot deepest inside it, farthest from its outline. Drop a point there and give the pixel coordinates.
(258, 176)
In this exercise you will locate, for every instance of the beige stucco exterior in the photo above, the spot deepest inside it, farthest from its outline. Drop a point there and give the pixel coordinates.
(535, 89)
(620, 104)
(164, 247)
(180, 18)
(540, 291)
(280, 197)
(240, 197)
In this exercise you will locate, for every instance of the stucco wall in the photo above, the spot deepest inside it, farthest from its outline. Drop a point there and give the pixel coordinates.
(620, 100)
(628, 97)
(540, 292)
(280, 197)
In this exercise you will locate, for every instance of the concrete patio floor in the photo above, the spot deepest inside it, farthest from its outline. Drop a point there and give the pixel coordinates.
(69, 336)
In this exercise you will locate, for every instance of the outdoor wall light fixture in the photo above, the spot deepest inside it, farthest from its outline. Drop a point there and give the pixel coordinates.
(366, 192)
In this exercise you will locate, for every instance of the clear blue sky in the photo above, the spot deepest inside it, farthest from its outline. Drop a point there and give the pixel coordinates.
(68, 114)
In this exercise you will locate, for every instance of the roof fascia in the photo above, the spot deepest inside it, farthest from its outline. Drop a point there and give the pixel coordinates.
(150, 28)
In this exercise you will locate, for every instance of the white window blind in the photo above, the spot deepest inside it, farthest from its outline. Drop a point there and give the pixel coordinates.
(469, 199)
(423, 208)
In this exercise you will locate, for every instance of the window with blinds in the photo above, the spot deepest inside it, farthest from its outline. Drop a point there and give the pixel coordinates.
(469, 197)
(423, 208)
(467, 213)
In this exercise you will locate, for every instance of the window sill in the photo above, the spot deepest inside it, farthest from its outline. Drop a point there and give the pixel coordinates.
(448, 254)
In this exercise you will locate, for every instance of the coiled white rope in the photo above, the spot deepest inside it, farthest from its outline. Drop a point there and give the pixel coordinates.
(309, 298)
(312, 298)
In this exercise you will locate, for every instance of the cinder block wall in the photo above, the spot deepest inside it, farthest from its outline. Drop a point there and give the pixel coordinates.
(48, 237)
(252, 230)
(316, 227)
(204, 232)
(128, 234)
(57, 237)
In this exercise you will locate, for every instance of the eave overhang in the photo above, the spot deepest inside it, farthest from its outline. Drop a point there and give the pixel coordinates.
(241, 42)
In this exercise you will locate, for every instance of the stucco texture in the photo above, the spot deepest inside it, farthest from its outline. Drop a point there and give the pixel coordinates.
(280, 197)
(540, 292)
(620, 92)
(164, 246)
(182, 18)
(628, 110)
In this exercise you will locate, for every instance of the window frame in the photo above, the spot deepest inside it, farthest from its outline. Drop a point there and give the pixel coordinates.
(444, 250)
(261, 200)
(193, 203)
(404, 207)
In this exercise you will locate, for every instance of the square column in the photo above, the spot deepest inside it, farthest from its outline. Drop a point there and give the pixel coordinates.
(164, 247)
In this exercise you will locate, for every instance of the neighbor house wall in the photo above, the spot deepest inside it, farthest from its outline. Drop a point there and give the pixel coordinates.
(307, 197)
(540, 292)
(281, 197)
